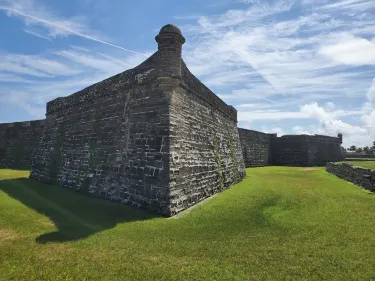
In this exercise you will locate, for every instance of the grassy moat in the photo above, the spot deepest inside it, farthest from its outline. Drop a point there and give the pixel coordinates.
(280, 223)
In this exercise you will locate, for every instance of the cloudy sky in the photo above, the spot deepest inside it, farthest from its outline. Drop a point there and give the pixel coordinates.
(289, 67)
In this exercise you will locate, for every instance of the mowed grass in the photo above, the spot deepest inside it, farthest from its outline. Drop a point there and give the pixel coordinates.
(364, 164)
(280, 223)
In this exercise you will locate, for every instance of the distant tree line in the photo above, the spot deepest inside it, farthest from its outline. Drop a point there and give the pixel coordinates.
(366, 149)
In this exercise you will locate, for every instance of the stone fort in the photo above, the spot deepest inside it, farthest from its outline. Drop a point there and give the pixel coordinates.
(153, 137)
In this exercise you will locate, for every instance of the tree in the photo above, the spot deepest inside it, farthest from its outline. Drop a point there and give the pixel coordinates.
(359, 149)
(353, 148)
(372, 149)
(366, 149)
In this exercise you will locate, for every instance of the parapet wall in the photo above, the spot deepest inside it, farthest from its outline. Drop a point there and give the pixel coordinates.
(290, 150)
(323, 149)
(18, 142)
(261, 149)
(256, 147)
(357, 175)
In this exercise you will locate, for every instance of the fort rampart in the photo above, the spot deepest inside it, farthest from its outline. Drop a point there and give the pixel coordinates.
(260, 149)
(18, 142)
(153, 137)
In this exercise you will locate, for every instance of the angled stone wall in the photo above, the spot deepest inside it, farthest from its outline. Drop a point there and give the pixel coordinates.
(323, 149)
(261, 149)
(290, 150)
(110, 140)
(153, 136)
(205, 148)
(357, 175)
(18, 142)
(256, 147)
(306, 150)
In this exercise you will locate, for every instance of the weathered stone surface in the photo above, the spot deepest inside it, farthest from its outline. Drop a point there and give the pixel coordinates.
(306, 150)
(153, 136)
(261, 149)
(18, 142)
(357, 175)
(324, 149)
(204, 144)
(256, 147)
(109, 140)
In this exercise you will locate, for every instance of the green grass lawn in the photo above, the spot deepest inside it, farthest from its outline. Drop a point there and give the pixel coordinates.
(281, 223)
(365, 164)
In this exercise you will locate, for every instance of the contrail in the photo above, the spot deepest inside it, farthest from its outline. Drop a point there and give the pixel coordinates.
(70, 31)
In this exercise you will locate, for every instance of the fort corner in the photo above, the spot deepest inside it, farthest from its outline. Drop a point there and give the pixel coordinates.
(153, 136)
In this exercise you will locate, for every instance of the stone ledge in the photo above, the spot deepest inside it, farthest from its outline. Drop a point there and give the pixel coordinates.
(357, 175)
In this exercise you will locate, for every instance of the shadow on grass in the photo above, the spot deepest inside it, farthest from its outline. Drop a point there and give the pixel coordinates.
(75, 215)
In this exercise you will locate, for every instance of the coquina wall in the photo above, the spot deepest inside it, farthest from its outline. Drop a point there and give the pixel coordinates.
(153, 136)
(323, 149)
(357, 175)
(110, 140)
(205, 147)
(261, 149)
(290, 150)
(18, 142)
(256, 147)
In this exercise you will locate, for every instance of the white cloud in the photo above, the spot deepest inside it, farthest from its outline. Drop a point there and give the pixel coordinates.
(349, 5)
(288, 64)
(33, 80)
(352, 51)
(369, 122)
(6, 77)
(301, 66)
(279, 58)
(328, 122)
(273, 130)
(34, 14)
(249, 116)
(23, 101)
(299, 130)
(37, 34)
(35, 65)
(329, 106)
(371, 92)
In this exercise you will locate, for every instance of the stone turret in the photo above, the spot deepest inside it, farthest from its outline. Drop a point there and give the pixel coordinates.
(170, 41)
(340, 137)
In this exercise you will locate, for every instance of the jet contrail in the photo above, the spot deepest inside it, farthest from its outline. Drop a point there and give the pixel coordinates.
(69, 30)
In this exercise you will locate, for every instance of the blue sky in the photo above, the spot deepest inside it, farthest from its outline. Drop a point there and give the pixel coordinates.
(289, 67)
